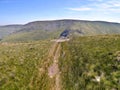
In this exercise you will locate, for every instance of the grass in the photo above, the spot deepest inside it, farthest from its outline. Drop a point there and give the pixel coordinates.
(91, 63)
(86, 63)
(34, 35)
(23, 66)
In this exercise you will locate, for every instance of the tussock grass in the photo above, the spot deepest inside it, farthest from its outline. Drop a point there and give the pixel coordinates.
(23, 66)
(91, 63)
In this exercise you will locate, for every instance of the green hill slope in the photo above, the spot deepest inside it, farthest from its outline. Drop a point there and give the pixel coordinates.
(31, 36)
(91, 63)
(9, 29)
(49, 29)
(83, 63)
(23, 66)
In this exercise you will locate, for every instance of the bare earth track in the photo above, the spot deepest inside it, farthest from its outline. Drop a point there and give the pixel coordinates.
(53, 70)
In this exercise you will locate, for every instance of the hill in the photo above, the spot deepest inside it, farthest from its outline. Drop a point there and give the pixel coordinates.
(40, 30)
(91, 63)
(83, 63)
(23, 66)
(8, 29)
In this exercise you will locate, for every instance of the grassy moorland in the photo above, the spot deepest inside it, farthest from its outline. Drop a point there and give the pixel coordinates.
(85, 63)
(23, 66)
(91, 63)
(31, 36)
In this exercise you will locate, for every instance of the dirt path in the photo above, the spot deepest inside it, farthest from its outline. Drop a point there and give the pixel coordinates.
(51, 64)
(50, 69)
(53, 70)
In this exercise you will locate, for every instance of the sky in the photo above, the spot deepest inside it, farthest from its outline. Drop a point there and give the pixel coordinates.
(24, 11)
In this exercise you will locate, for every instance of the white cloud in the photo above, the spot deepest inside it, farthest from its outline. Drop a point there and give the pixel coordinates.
(104, 10)
(100, 5)
(108, 6)
(111, 4)
(80, 9)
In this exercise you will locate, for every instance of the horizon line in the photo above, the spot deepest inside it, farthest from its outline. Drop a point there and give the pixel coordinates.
(58, 20)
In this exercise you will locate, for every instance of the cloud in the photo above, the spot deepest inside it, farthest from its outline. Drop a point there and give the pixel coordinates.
(111, 6)
(108, 6)
(80, 9)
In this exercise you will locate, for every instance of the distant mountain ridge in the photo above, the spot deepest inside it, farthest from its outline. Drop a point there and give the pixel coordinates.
(51, 29)
(8, 29)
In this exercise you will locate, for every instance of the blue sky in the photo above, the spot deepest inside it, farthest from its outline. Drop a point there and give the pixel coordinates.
(23, 11)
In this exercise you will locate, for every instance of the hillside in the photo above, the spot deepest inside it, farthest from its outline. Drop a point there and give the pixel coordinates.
(40, 30)
(91, 63)
(83, 63)
(8, 29)
(23, 66)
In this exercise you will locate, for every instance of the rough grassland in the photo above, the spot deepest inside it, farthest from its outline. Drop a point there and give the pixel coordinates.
(23, 66)
(85, 63)
(91, 63)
